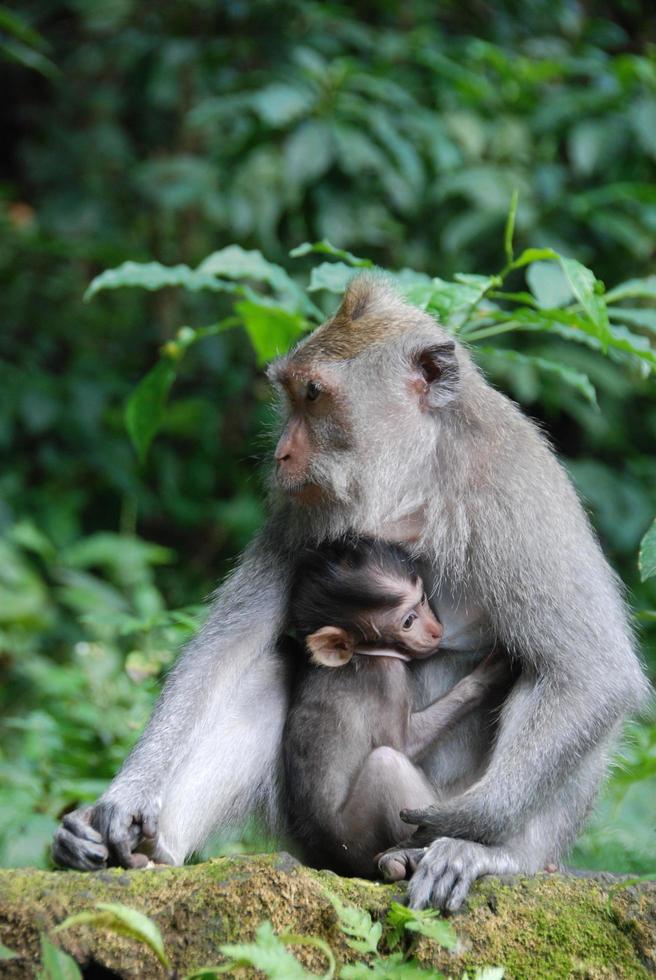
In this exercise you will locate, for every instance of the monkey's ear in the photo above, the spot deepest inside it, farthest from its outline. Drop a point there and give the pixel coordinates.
(330, 646)
(437, 374)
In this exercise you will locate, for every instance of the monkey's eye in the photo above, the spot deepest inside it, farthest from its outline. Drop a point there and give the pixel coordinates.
(312, 391)
(408, 621)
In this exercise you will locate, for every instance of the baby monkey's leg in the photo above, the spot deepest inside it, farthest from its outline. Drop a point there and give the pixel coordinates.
(369, 819)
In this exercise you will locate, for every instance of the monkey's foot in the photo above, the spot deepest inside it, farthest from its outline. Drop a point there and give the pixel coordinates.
(399, 862)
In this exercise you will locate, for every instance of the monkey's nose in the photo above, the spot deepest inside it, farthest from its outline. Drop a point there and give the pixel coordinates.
(283, 451)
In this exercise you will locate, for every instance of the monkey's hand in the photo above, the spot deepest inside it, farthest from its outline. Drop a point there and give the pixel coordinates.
(444, 872)
(460, 817)
(106, 833)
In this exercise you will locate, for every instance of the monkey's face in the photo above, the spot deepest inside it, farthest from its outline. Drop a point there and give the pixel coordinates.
(412, 625)
(363, 398)
(316, 446)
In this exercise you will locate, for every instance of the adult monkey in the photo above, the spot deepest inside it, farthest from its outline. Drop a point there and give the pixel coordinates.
(393, 432)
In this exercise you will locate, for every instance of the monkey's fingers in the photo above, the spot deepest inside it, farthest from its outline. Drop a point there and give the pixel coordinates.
(149, 822)
(123, 840)
(78, 823)
(399, 863)
(418, 817)
(71, 851)
(121, 830)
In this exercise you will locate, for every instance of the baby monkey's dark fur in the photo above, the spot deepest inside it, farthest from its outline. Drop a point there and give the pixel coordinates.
(334, 585)
(352, 743)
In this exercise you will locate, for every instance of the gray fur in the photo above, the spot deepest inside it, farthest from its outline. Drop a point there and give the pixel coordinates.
(506, 549)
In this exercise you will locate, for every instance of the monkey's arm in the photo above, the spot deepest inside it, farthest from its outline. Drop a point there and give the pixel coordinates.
(426, 726)
(565, 622)
(209, 754)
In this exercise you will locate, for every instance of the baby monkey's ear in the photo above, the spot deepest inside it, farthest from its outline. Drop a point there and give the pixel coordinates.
(330, 646)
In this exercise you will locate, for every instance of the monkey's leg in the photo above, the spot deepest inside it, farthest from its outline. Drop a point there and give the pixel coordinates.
(443, 872)
(369, 820)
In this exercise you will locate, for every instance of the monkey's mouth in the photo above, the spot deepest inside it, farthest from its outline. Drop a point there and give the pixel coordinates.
(305, 493)
(425, 654)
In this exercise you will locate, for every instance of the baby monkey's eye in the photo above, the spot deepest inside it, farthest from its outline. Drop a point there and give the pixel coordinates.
(312, 391)
(408, 621)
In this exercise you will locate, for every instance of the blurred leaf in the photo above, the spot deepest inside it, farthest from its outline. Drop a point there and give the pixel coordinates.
(510, 227)
(23, 596)
(28, 536)
(586, 145)
(309, 152)
(146, 406)
(6, 953)
(24, 45)
(575, 379)
(279, 104)
(114, 551)
(633, 289)
(272, 330)
(238, 263)
(637, 317)
(325, 248)
(549, 284)
(333, 276)
(123, 921)
(643, 117)
(647, 560)
(530, 255)
(154, 275)
(56, 964)
(588, 290)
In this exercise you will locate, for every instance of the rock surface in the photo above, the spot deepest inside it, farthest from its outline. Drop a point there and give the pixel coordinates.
(550, 926)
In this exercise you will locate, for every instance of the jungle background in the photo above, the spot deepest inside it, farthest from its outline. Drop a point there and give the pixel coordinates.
(166, 132)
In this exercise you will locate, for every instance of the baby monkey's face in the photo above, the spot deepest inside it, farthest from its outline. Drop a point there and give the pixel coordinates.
(410, 626)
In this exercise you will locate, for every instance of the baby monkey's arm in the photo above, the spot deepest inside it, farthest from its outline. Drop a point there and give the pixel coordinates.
(427, 725)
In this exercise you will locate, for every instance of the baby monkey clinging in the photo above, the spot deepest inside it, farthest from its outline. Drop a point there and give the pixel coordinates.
(352, 742)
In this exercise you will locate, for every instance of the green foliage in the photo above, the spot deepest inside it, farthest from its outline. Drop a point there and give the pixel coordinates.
(56, 964)
(269, 955)
(143, 138)
(123, 921)
(268, 952)
(364, 934)
(648, 554)
(424, 922)
(6, 953)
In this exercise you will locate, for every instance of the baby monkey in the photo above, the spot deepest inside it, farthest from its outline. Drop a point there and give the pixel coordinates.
(352, 742)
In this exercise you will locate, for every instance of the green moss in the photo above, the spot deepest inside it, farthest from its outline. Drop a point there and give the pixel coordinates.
(546, 927)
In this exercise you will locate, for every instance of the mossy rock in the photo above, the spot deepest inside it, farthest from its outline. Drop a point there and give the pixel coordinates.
(550, 926)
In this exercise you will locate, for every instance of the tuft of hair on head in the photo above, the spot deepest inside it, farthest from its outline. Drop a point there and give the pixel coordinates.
(339, 583)
(371, 313)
